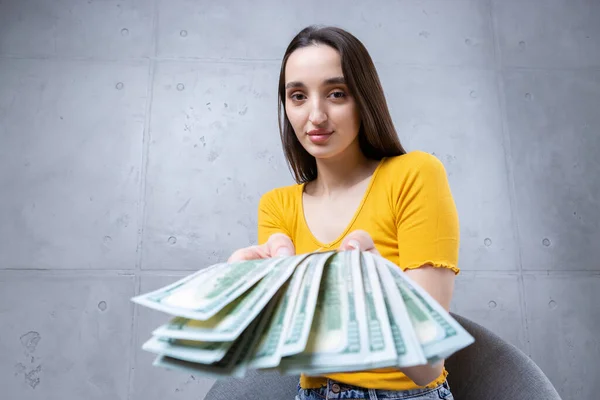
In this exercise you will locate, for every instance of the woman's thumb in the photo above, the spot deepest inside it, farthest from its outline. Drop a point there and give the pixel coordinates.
(280, 245)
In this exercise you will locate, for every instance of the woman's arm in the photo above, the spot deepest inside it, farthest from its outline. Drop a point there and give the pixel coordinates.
(428, 240)
(428, 237)
(438, 282)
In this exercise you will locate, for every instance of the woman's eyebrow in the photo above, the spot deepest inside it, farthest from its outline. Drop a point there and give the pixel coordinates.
(331, 81)
(339, 80)
(295, 84)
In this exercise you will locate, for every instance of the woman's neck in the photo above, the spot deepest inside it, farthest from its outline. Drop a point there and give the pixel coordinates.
(339, 173)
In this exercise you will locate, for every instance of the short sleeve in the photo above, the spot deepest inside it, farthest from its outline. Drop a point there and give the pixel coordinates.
(427, 219)
(270, 216)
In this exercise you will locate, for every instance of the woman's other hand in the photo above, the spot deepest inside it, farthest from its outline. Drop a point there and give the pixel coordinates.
(278, 244)
(360, 240)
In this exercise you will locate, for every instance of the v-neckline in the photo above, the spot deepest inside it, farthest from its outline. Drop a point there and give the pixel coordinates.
(346, 230)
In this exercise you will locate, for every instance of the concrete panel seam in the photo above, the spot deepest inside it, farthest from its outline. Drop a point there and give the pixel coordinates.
(93, 59)
(501, 98)
(80, 273)
(133, 340)
(550, 68)
(277, 61)
(142, 199)
(145, 153)
(58, 270)
(9, 56)
(562, 274)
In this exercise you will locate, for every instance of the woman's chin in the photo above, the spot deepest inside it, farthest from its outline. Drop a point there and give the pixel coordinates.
(328, 150)
(320, 151)
(331, 154)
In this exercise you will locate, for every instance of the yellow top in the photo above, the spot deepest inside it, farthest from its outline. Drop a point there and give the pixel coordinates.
(408, 210)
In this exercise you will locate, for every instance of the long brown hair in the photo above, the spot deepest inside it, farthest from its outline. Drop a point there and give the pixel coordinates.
(377, 135)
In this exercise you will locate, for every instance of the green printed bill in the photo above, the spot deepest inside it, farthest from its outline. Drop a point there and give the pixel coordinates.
(229, 323)
(316, 313)
(408, 347)
(350, 330)
(188, 350)
(234, 362)
(268, 353)
(439, 334)
(206, 292)
(303, 305)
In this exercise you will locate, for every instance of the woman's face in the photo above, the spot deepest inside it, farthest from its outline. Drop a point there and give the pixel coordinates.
(318, 104)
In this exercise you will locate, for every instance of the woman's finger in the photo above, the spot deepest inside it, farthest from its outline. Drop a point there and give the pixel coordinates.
(360, 240)
(277, 245)
(248, 253)
(280, 245)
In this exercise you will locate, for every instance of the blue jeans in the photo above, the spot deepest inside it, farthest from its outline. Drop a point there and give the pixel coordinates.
(337, 390)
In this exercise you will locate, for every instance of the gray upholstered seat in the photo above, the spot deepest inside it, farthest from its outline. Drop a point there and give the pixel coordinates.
(493, 369)
(490, 369)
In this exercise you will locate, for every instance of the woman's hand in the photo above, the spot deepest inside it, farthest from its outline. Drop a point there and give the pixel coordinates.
(278, 244)
(359, 240)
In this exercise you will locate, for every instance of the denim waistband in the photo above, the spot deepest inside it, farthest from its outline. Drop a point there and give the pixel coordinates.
(338, 390)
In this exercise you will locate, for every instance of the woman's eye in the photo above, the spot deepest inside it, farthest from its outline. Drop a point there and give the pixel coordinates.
(338, 95)
(297, 96)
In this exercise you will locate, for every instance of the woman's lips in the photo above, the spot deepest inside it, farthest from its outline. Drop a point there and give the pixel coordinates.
(319, 136)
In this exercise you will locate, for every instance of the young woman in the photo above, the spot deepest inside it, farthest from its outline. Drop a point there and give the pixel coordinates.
(356, 188)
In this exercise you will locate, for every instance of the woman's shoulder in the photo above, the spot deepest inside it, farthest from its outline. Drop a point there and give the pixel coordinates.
(414, 162)
(282, 194)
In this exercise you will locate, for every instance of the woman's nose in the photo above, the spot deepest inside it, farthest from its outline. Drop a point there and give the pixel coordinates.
(317, 114)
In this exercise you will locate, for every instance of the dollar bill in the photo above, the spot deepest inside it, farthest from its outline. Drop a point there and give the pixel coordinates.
(408, 347)
(334, 327)
(296, 336)
(229, 323)
(439, 334)
(381, 344)
(188, 350)
(336, 338)
(234, 363)
(366, 342)
(268, 352)
(206, 292)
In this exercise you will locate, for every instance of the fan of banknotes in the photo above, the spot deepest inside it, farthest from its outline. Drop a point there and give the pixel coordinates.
(313, 313)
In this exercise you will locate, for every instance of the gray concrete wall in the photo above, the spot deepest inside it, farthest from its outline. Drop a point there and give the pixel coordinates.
(136, 138)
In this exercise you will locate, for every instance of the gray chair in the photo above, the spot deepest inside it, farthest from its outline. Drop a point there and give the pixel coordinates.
(493, 369)
(489, 369)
